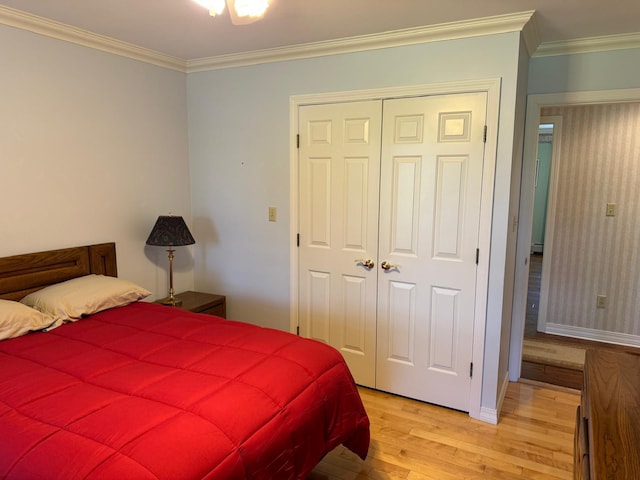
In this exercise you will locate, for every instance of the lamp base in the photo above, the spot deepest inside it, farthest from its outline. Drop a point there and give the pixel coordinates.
(171, 301)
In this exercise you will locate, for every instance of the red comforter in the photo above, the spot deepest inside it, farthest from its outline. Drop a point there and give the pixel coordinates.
(147, 391)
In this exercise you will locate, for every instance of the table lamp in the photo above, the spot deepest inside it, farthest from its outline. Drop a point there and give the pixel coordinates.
(170, 231)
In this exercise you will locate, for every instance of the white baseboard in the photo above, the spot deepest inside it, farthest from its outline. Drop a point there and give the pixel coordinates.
(491, 415)
(488, 415)
(503, 393)
(592, 334)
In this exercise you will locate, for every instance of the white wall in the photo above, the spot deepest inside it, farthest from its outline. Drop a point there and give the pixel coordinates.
(239, 147)
(611, 70)
(504, 237)
(93, 147)
(514, 221)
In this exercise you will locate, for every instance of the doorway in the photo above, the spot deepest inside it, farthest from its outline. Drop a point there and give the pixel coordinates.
(576, 335)
(541, 185)
(544, 158)
(546, 358)
(543, 221)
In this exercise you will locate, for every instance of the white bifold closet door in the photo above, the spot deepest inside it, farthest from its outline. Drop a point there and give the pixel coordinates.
(389, 216)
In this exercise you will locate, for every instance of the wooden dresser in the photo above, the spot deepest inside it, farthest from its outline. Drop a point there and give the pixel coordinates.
(607, 441)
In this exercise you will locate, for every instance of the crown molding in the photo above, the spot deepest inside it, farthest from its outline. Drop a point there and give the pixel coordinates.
(531, 34)
(589, 45)
(434, 33)
(60, 31)
(446, 31)
(524, 22)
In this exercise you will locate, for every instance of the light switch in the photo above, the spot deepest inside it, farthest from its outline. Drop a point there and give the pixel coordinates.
(611, 209)
(272, 214)
(601, 301)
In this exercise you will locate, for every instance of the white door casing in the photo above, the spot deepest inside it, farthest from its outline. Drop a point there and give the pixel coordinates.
(550, 226)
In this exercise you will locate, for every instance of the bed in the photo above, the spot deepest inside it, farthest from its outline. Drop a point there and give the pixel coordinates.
(145, 391)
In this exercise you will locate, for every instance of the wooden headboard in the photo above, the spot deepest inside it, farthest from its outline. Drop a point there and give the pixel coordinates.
(23, 274)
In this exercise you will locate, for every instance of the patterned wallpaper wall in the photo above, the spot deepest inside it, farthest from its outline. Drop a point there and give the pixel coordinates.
(594, 254)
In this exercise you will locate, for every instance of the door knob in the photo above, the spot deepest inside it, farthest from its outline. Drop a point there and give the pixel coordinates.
(366, 263)
(386, 266)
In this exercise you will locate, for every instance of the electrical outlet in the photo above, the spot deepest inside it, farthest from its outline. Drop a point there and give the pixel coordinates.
(273, 214)
(611, 209)
(601, 301)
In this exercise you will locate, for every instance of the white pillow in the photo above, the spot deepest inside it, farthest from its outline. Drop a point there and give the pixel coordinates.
(70, 300)
(17, 319)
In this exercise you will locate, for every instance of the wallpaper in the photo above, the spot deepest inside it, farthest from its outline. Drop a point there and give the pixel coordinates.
(595, 254)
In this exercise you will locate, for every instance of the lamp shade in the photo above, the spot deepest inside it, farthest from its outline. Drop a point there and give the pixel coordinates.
(170, 231)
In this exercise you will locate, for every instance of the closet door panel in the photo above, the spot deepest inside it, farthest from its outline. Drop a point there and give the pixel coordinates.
(430, 181)
(339, 186)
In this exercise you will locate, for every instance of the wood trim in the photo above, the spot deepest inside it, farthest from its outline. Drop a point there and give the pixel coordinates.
(494, 25)
(606, 43)
(550, 223)
(23, 274)
(512, 22)
(60, 31)
(102, 259)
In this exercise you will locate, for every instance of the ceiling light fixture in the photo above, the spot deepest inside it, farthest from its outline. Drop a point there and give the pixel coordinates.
(241, 12)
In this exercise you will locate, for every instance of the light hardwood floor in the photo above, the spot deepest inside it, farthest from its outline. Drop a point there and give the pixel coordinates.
(417, 441)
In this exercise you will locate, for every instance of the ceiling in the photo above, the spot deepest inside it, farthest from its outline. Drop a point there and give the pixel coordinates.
(183, 29)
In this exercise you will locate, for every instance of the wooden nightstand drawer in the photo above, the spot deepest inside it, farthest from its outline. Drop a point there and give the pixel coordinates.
(200, 302)
(219, 310)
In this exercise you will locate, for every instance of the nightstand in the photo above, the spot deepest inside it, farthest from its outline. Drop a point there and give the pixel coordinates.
(200, 302)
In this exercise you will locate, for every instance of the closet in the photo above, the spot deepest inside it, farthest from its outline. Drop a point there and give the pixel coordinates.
(389, 215)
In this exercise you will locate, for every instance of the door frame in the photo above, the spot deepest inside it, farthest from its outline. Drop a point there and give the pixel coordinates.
(492, 88)
(534, 104)
(551, 215)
